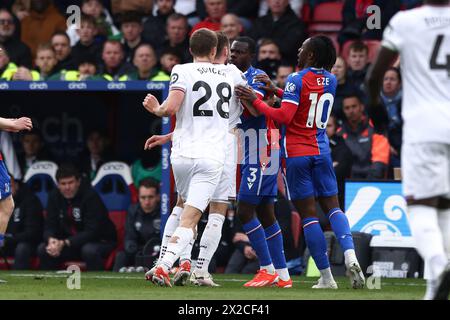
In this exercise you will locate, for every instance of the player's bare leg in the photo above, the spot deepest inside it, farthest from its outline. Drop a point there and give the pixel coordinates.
(315, 240)
(425, 228)
(209, 243)
(339, 224)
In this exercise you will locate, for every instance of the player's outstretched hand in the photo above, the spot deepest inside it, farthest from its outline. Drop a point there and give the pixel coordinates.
(268, 86)
(156, 140)
(23, 123)
(245, 93)
(150, 103)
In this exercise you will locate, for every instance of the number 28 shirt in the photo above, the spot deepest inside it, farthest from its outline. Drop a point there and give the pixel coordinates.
(202, 121)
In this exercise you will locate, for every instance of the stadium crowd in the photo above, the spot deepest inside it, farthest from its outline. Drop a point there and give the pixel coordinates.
(143, 40)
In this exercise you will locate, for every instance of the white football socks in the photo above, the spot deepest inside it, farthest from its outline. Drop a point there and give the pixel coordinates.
(269, 268)
(423, 221)
(444, 225)
(350, 257)
(180, 239)
(210, 241)
(283, 274)
(326, 275)
(171, 225)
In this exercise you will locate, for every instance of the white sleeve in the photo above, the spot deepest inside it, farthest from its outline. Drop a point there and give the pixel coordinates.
(394, 33)
(9, 155)
(178, 79)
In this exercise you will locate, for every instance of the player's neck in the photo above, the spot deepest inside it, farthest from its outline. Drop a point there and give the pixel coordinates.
(202, 59)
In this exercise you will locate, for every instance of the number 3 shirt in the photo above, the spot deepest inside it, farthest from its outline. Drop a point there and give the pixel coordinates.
(312, 92)
(202, 121)
(422, 38)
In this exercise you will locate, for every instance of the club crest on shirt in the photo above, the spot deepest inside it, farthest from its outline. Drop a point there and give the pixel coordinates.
(174, 78)
(290, 87)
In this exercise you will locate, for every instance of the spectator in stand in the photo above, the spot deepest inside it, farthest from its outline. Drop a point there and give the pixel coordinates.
(25, 227)
(269, 57)
(86, 70)
(87, 46)
(169, 59)
(283, 26)
(243, 259)
(18, 51)
(21, 8)
(391, 96)
(215, 10)
(343, 88)
(145, 62)
(7, 68)
(370, 150)
(246, 10)
(177, 37)
(41, 24)
(33, 149)
(354, 19)
(96, 154)
(341, 156)
(143, 225)
(358, 64)
(120, 6)
(283, 72)
(148, 165)
(61, 44)
(104, 25)
(231, 26)
(131, 28)
(45, 62)
(155, 26)
(77, 224)
(113, 66)
(296, 5)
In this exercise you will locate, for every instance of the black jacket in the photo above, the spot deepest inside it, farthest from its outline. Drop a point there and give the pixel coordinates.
(27, 221)
(93, 50)
(141, 227)
(67, 64)
(88, 222)
(18, 52)
(155, 29)
(288, 32)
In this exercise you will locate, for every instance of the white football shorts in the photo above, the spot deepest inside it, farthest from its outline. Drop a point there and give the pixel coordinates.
(426, 170)
(196, 179)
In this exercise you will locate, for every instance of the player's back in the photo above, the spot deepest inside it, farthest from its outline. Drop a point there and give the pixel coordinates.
(422, 37)
(312, 90)
(202, 121)
(235, 107)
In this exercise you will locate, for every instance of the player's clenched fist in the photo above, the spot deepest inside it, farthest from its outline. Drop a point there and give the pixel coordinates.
(23, 123)
(150, 103)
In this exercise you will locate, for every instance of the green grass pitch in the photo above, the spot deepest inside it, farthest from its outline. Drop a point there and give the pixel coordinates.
(108, 285)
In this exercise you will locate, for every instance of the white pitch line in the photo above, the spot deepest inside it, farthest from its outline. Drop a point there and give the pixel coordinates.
(220, 280)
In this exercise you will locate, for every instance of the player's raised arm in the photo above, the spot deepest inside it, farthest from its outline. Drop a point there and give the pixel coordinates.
(387, 55)
(169, 107)
(284, 114)
(16, 125)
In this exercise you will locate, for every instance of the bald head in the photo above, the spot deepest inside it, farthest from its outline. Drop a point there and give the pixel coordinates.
(231, 26)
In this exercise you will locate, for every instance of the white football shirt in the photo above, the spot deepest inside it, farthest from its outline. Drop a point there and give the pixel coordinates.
(202, 121)
(422, 38)
(235, 103)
